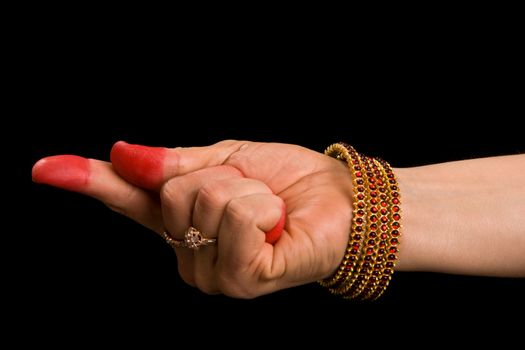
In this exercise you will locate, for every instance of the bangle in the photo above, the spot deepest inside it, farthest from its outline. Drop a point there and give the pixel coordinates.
(394, 226)
(371, 253)
(347, 266)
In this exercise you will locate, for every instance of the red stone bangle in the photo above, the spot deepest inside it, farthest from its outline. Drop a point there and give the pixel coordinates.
(369, 262)
(382, 234)
(394, 227)
(377, 227)
(352, 286)
(352, 252)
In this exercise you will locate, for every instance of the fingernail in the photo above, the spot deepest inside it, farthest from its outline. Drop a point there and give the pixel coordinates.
(140, 165)
(65, 171)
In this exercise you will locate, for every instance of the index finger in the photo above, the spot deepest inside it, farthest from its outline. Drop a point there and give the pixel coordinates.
(97, 179)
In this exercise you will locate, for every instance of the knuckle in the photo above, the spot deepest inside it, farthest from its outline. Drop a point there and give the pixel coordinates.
(122, 203)
(211, 196)
(237, 212)
(170, 191)
(177, 162)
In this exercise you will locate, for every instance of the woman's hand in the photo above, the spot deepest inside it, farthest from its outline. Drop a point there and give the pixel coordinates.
(234, 191)
(460, 217)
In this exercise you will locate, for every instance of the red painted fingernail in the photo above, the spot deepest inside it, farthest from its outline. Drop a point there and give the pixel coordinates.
(140, 165)
(273, 235)
(64, 171)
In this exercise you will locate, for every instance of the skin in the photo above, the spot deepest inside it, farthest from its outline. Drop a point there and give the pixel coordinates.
(73, 177)
(144, 165)
(458, 217)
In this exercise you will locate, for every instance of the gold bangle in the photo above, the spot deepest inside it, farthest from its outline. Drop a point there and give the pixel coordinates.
(383, 231)
(351, 286)
(391, 252)
(371, 253)
(347, 266)
(377, 218)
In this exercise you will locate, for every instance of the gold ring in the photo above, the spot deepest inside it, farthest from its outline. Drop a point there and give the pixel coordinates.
(193, 239)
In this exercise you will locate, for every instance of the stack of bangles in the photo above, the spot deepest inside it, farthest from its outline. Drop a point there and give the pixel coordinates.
(371, 254)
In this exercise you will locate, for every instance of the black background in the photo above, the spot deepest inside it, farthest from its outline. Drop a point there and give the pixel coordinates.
(413, 94)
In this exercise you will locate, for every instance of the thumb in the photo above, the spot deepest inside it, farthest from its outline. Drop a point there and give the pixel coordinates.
(151, 167)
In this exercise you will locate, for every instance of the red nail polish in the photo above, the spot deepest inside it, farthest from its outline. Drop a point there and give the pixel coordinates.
(140, 165)
(64, 171)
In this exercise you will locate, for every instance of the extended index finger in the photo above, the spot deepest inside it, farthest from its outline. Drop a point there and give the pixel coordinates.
(97, 179)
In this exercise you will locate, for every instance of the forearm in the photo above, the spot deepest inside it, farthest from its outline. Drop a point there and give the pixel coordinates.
(465, 217)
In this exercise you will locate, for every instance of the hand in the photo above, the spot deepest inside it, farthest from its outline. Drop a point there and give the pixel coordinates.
(235, 191)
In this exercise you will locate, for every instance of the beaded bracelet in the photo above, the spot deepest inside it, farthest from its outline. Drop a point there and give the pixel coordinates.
(371, 253)
(346, 268)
